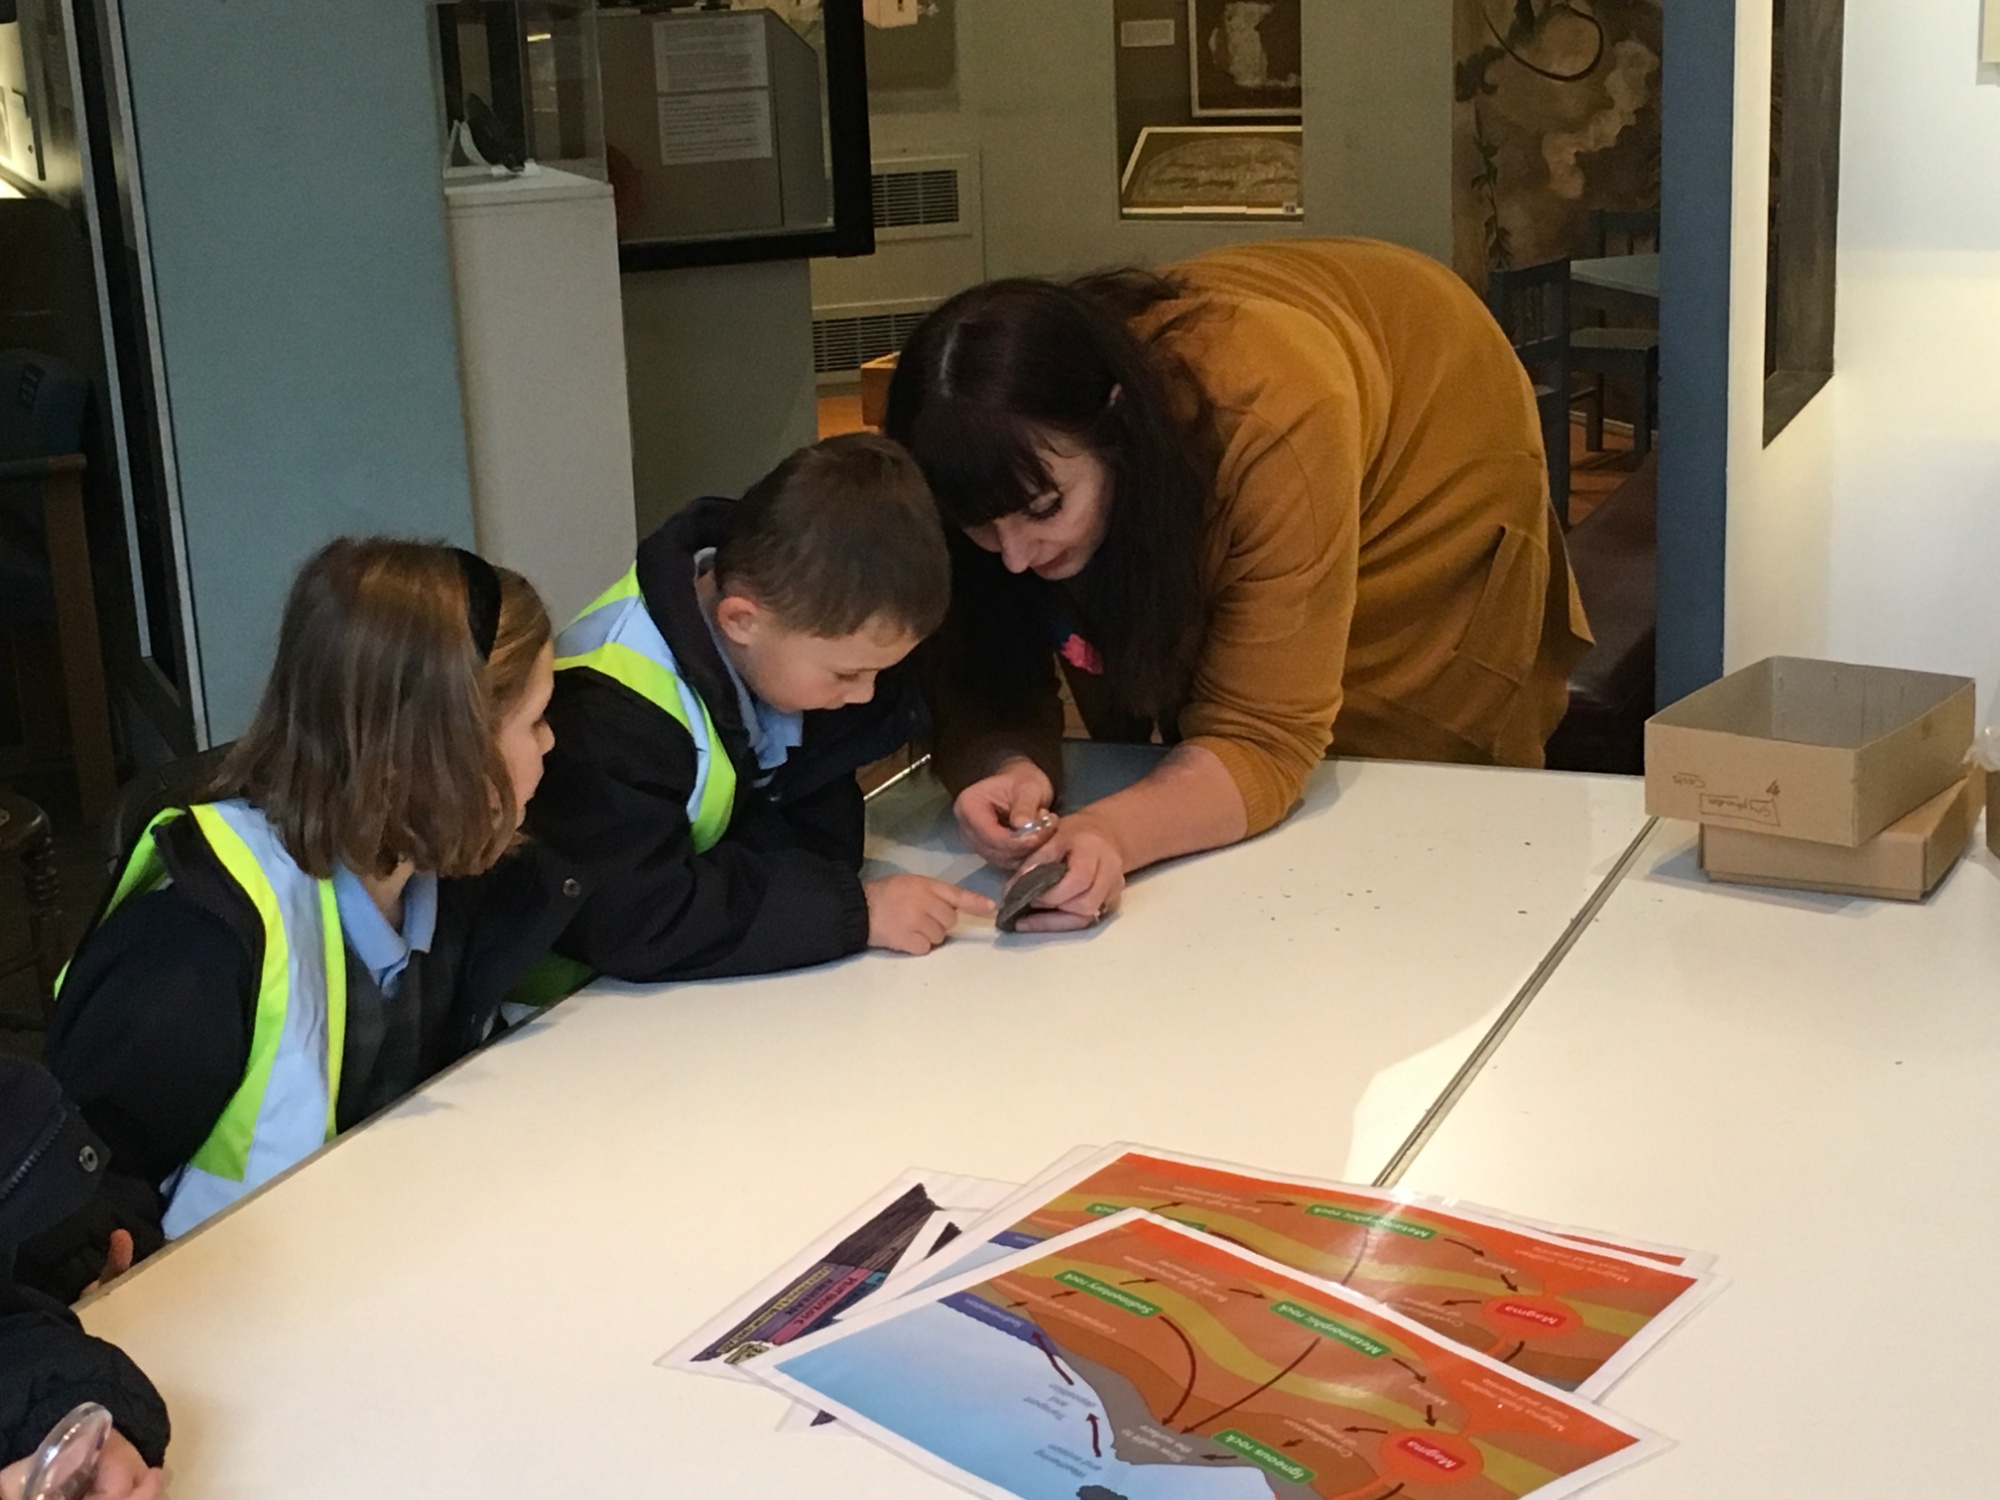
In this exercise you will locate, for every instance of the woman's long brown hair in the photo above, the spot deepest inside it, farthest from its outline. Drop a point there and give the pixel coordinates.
(980, 384)
(376, 739)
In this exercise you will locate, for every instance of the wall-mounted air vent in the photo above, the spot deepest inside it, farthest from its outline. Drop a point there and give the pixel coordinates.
(905, 200)
(842, 345)
(929, 244)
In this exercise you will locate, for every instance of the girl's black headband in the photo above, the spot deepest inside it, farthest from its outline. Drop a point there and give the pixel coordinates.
(482, 600)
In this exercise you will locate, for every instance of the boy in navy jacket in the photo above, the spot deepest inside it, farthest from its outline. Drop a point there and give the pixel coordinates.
(712, 707)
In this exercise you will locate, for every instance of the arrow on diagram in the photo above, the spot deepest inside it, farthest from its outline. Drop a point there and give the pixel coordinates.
(1096, 1447)
(1050, 1355)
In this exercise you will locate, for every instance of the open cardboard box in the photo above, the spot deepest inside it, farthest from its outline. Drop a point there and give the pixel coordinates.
(1904, 862)
(1992, 780)
(1817, 750)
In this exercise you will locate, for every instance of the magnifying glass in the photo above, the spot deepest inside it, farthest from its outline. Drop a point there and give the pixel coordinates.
(65, 1466)
(1042, 822)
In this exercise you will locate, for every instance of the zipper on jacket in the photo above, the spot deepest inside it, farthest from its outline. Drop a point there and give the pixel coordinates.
(35, 1154)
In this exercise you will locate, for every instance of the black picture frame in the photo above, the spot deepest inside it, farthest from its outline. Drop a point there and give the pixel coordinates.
(1803, 248)
(1218, 94)
(853, 229)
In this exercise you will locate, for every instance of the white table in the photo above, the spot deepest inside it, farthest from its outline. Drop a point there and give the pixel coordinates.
(465, 1297)
(1809, 1086)
(1633, 275)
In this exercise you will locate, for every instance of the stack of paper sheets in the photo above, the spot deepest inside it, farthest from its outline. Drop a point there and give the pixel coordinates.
(1140, 1325)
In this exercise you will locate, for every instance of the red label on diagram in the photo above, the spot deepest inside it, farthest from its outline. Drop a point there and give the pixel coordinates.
(1542, 1314)
(1431, 1455)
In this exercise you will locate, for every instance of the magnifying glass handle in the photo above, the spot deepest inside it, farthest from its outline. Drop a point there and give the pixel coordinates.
(65, 1466)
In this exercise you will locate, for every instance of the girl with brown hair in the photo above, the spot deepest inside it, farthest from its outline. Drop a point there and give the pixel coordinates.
(332, 921)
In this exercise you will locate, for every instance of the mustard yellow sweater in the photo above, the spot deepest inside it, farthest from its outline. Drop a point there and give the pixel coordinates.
(1385, 572)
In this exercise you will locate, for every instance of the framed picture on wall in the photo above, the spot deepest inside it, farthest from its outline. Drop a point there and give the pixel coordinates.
(1214, 172)
(1244, 57)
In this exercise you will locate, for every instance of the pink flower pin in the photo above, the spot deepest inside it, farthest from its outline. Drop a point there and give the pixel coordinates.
(1080, 654)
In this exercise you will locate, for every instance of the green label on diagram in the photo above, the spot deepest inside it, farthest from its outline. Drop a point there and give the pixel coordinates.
(1264, 1457)
(1373, 1221)
(1116, 1296)
(1328, 1328)
(1101, 1209)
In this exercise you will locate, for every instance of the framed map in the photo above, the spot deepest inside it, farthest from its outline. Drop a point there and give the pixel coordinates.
(1196, 171)
(1244, 57)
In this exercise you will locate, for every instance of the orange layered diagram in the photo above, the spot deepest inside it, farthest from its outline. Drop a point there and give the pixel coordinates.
(1568, 1313)
(1134, 1360)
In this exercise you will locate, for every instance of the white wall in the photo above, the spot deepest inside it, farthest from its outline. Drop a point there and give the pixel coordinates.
(1870, 529)
(1037, 102)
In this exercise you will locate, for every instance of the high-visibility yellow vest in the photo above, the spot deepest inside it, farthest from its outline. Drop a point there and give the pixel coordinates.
(284, 1108)
(616, 636)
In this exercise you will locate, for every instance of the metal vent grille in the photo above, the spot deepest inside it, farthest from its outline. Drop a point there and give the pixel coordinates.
(846, 344)
(906, 199)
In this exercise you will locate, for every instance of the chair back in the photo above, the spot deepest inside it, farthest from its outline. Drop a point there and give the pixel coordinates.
(1531, 305)
(1616, 232)
(151, 793)
(42, 402)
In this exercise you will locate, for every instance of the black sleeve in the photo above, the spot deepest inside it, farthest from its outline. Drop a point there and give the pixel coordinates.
(831, 822)
(48, 1365)
(613, 799)
(151, 1040)
(492, 930)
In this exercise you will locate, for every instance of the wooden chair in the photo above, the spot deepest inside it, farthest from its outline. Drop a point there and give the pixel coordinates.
(875, 377)
(25, 839)
(1630, 355)
(152, 792)
(1613, 553)
(45, 550)
(1531, 305)
(1615, 232)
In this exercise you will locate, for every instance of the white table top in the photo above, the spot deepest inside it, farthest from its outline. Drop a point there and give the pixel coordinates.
(1810, 1087)
(465, 1297)
(1637, 274)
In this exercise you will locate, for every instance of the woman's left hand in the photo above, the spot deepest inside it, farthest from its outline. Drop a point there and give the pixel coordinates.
(1097, 862)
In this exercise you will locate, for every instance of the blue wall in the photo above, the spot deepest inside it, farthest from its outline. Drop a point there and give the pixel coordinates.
(1697, 157)
(298, 250)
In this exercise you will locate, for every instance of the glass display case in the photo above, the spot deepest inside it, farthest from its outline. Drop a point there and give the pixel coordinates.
(518, 88)
(736, 130)
(1210, 101)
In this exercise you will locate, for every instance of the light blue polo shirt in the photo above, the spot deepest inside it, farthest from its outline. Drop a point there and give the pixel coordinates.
(383, 951)
(773, 735)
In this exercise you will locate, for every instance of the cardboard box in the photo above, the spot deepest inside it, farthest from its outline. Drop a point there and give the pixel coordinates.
(1992, 779)
(1904, 862)
(1816, 750)
(875, 377)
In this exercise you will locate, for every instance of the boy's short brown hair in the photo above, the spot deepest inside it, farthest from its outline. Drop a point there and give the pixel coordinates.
(376, 739)
(839, 534)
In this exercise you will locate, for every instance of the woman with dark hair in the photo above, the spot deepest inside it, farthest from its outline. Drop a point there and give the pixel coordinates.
(1280, 498)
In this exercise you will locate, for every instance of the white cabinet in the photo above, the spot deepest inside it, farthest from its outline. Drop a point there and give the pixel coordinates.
(542, 354)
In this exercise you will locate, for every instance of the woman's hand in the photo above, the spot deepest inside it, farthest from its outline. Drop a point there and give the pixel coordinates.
(995, 815)
(121, 1474)
(1097, 861)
